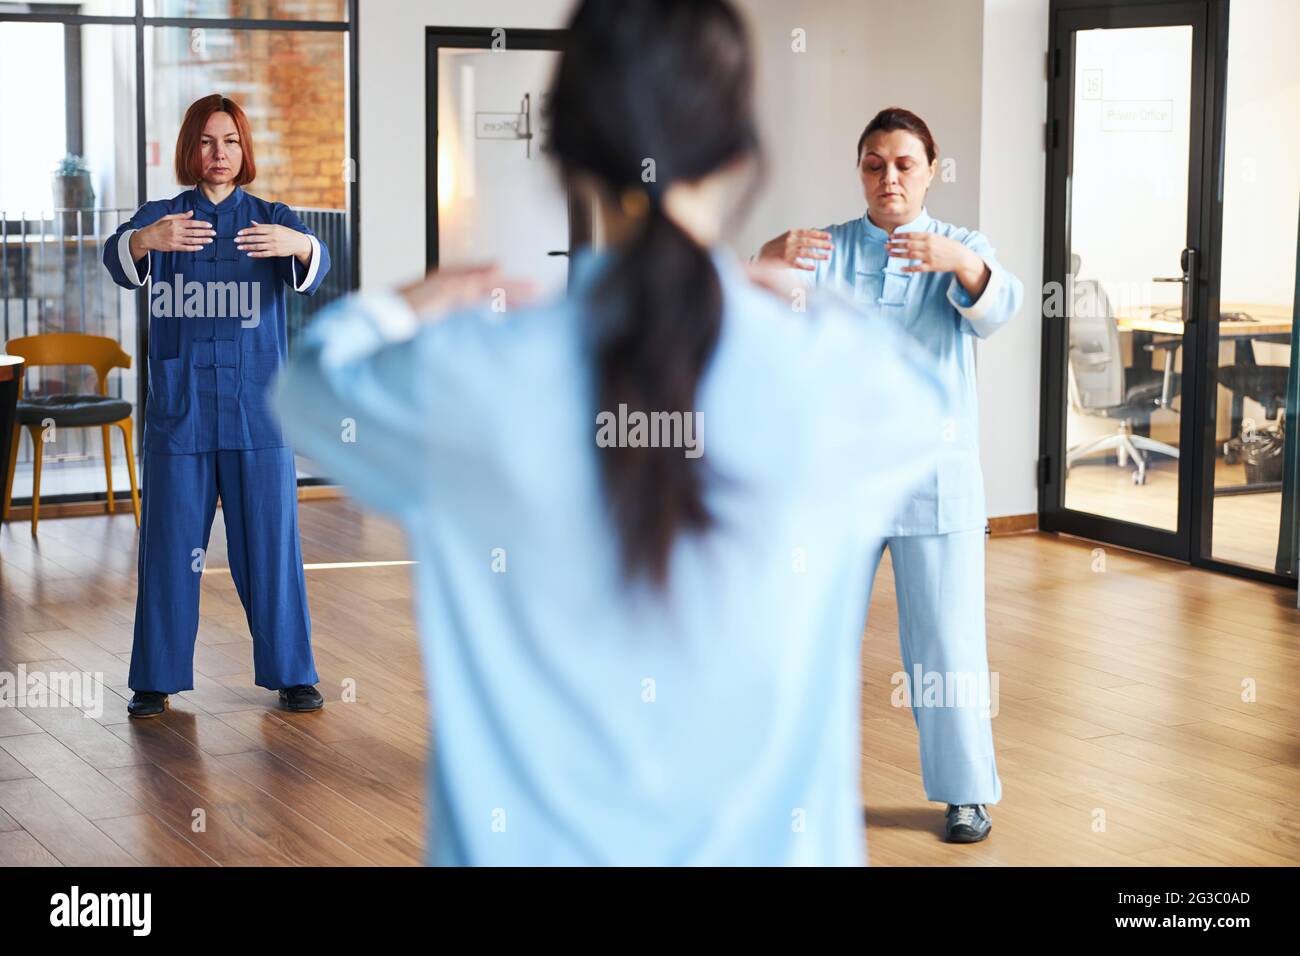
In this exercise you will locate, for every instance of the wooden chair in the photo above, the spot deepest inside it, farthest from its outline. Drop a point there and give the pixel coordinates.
(72, 411)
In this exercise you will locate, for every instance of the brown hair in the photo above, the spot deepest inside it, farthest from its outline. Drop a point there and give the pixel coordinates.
(189, 142)
(895, 117)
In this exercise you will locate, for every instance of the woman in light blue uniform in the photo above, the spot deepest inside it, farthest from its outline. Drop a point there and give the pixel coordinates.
(944, 286)
(639, 602)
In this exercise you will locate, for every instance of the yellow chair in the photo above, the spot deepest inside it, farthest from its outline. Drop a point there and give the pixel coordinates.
(72, 411)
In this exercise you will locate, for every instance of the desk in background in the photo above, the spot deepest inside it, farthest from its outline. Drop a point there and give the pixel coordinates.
(1164, 320)
(1241, 322)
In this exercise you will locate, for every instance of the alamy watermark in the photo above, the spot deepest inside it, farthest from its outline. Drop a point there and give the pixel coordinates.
(975, 689)
(194, 299)
(80, 689)
(637, 429)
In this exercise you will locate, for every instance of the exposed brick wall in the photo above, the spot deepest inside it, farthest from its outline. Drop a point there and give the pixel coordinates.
(298, 115)
(305, 90)
(289, 9)
(292, 85)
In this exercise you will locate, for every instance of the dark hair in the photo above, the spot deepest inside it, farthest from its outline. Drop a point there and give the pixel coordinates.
(189, 142)
(895, 117)
(667, 81)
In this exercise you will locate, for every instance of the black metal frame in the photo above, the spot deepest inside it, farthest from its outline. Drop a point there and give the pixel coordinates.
(75, 128)
(1191, 542)
(139, 21)
(463, 38)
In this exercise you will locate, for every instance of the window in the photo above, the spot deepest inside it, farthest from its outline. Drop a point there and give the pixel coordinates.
(87, 80)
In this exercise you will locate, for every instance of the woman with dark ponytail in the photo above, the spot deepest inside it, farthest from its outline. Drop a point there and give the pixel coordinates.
(640, 635)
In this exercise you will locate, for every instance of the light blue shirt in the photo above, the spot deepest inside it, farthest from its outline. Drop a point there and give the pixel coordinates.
(937, 311)
(577, 718)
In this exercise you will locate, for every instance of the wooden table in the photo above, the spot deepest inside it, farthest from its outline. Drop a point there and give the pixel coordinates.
(1242, 322)
(1163, 320)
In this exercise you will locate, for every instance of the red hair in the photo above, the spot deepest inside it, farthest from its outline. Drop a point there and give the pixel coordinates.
(189, 143)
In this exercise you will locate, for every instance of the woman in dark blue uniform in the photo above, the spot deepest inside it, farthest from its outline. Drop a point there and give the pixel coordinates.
(219, 260)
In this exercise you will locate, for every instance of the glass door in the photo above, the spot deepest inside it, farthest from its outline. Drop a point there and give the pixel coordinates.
(1249, 421)
(1169, 375)
(1126, 141)
(493, 196)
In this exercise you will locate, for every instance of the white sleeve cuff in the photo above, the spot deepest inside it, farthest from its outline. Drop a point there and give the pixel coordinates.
(311, 270)
(128, 264)
(392, 316)
(981, 307)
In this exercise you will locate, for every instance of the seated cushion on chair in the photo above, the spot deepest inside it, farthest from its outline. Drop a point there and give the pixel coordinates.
(1144, 385)
(1265, 384)
(72, 411)
(1142, 389)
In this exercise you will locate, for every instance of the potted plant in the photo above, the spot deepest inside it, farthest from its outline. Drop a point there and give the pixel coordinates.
(73, 191)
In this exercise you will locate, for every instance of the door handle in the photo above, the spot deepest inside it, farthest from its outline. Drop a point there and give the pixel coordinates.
(1188, 281)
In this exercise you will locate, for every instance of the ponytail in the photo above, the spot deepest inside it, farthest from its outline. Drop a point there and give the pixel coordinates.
(671, 81)
(661, 302)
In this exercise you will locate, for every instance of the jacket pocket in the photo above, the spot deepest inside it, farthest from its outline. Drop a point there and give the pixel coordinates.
(168, 425)
(255, 398)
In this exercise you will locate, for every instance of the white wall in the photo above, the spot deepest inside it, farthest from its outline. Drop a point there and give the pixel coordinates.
(859, 58)
(1012, 177)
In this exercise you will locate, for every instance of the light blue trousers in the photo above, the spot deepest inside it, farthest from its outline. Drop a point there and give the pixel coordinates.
(939, 583)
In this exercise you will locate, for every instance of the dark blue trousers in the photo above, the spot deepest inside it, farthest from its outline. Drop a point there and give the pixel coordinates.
(259, 504)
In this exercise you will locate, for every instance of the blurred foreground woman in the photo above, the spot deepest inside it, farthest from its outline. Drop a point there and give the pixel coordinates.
(640, 598)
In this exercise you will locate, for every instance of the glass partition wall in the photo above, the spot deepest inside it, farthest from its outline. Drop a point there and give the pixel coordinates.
(1170, 272)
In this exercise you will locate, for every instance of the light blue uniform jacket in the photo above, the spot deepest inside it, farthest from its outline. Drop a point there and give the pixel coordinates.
(937, 312)
(580, 719)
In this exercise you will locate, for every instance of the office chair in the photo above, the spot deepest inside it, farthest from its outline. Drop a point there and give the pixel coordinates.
(1100, 386)
(1265, 384)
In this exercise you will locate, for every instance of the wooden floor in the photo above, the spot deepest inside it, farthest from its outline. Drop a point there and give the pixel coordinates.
(1120, 695)
(1245, 527)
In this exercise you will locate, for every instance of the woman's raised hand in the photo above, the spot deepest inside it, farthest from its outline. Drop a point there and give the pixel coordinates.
(931, 252)
(445, 290)
(272, 241)
(179, 232)
(797, 245)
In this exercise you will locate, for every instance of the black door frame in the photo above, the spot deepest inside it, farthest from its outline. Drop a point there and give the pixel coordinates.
(1191, 542)
(478, 38)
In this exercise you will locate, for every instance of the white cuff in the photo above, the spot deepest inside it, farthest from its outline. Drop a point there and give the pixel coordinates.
(391, 315)
(311, 269)
(982, 306)
(128, 264)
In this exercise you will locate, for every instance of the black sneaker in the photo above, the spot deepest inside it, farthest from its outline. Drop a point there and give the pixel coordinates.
(968, 823)
(146, 703)
(301, 697)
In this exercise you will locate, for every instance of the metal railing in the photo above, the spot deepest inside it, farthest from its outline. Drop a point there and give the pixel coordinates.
(52, 279)
(331, 227)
